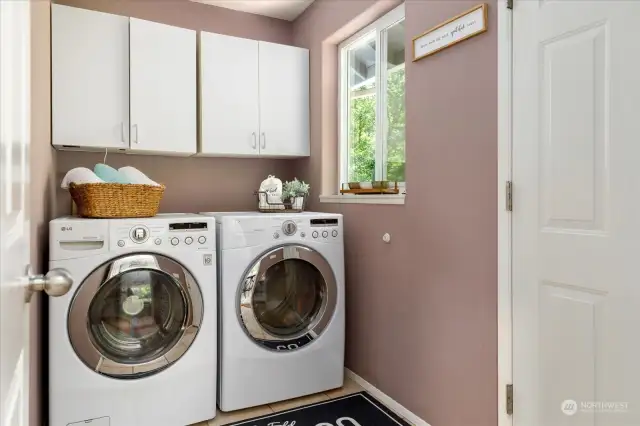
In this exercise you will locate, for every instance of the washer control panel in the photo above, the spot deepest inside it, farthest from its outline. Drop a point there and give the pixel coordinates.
(170, 235)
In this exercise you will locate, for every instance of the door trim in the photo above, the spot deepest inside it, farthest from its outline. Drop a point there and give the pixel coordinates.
(505, 146)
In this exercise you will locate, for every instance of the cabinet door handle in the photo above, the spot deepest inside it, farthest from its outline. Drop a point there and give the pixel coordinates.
(264, 141)
(135, 126)
(122, 132)
(254, 140)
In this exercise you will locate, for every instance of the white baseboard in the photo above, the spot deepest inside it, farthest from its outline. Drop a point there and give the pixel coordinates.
(385, 399)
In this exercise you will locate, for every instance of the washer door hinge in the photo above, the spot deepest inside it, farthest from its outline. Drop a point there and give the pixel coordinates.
(509, 399)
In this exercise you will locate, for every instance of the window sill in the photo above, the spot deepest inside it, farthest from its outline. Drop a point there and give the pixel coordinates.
(363, 199)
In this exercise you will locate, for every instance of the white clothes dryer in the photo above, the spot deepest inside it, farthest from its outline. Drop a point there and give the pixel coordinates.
(134, 340)
(281, 306)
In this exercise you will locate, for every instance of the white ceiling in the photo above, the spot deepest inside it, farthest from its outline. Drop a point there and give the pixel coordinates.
(281, 9)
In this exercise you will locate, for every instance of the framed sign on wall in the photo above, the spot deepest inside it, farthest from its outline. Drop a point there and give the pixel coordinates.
(459, 28)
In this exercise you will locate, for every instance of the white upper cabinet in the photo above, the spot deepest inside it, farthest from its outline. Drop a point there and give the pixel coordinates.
(130, 84)
(90, 78)
(163, 88)
(229, 102)
(254, 98)
(284, 100)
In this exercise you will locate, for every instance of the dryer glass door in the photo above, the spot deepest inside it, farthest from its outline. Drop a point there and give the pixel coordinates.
(287, 298)
(135, 315)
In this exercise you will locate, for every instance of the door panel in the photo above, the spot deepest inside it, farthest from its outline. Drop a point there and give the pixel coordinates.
(573, 157)
(90, 78)
(576, 220)
(163, 88)
(229, 95)
(284, 100)
(15, 247)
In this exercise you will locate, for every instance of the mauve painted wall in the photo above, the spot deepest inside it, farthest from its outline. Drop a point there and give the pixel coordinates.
(196, 16)
(421, 311)
(193, 184)
(41, 198)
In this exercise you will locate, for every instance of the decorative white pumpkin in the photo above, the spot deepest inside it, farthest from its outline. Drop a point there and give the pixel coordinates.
(273, 188)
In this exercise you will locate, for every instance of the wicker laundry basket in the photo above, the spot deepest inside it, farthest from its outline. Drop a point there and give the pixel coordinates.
(113, 200)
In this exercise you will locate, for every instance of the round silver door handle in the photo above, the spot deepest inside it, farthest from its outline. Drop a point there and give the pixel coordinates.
(56, 283)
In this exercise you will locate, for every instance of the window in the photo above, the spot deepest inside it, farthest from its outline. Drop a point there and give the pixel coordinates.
(372, 105)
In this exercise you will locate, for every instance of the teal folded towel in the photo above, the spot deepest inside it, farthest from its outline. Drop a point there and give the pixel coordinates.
(109, 174)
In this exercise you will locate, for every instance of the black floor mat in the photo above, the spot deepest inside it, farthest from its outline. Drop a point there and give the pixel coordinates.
(358, 409)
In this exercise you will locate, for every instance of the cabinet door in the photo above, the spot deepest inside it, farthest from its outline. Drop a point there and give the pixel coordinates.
(284, 100)
(89, 78)
(229, 106)
(163, 88)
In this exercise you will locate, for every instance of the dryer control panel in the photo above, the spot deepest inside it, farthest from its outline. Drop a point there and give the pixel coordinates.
(323, 230)
(249, 229)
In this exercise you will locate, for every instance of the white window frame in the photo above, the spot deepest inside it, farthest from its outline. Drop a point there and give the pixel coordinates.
(379, 27)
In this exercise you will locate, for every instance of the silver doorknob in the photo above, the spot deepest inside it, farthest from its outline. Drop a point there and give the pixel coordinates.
(56, 283)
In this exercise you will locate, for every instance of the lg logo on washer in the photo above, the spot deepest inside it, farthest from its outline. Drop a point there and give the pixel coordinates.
(340, 422)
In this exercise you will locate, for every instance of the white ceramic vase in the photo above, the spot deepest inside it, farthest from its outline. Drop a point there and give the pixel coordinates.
(297, 203)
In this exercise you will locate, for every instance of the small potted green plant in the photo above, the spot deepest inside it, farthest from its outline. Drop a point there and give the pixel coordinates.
(295, 191)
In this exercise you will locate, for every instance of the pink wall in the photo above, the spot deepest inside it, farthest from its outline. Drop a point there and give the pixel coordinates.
(41, 197)
(421, 311)
(193, 184)
(196, 16)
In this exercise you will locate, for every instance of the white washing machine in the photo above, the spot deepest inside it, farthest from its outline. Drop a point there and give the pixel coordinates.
(282, 308)
(134, 340)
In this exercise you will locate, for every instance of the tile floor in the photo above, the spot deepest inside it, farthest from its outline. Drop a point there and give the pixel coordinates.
(236, 416)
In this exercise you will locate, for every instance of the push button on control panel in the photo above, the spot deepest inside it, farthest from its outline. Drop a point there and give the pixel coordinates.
(188, 240)
(315, 234)
(202, 239)
(325, 234)
(158, 241)
(334, 233)
(174, 241)
(120, 243)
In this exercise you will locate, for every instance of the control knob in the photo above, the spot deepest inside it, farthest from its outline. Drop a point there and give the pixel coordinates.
(289, 227)
(139, 234)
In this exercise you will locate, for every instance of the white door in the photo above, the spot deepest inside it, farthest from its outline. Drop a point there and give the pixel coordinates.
(576, 219)
(90, 78)
(284, 100)
(14, 221)
(229, 106)
(163, 88)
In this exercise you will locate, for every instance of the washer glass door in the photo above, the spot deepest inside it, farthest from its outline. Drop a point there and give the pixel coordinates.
(287, 298)
(135, 315)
